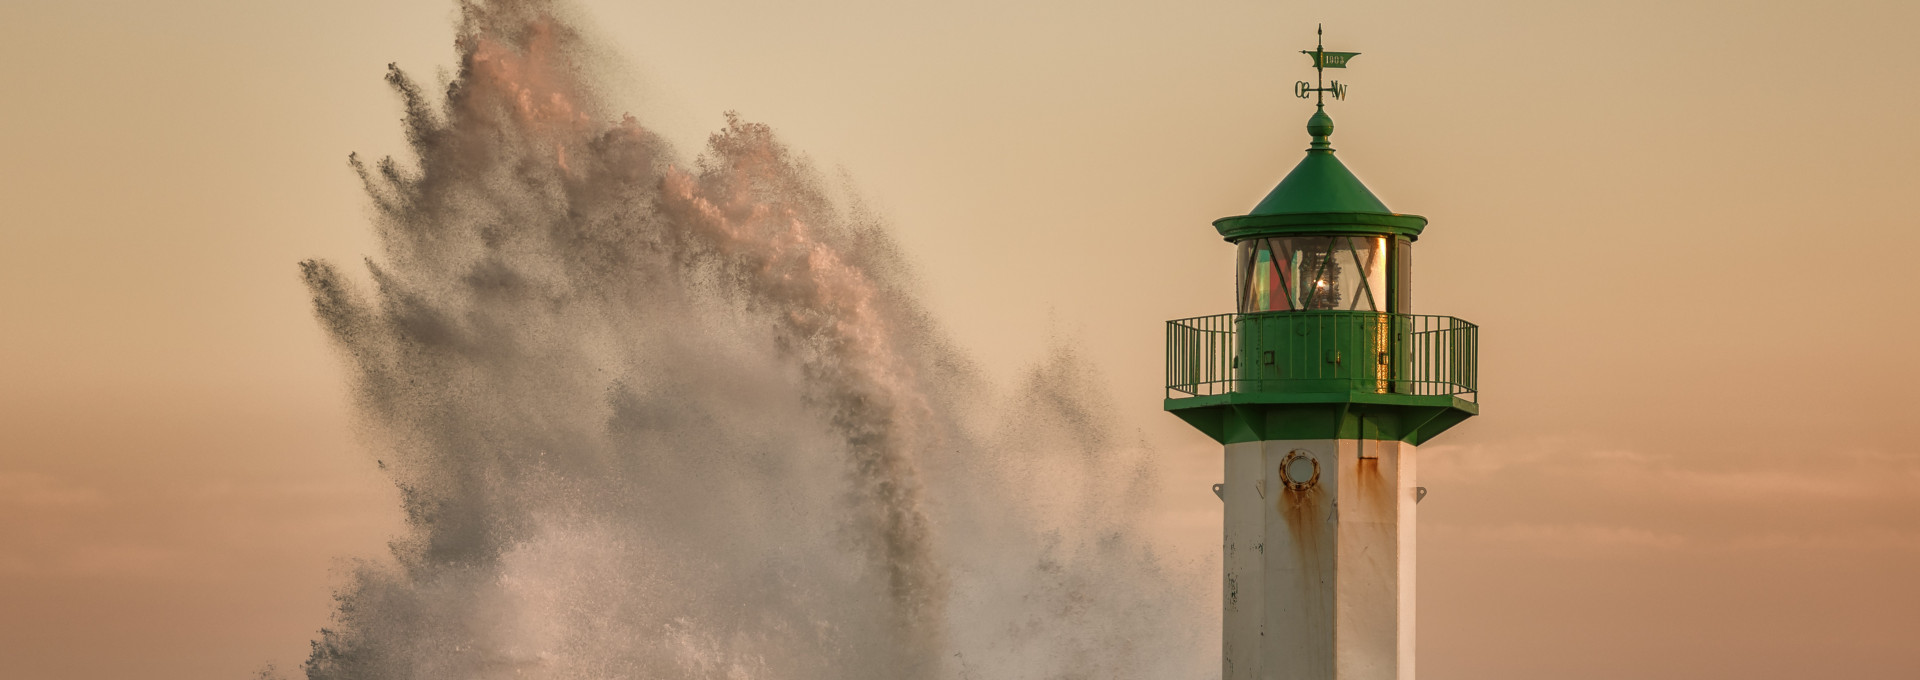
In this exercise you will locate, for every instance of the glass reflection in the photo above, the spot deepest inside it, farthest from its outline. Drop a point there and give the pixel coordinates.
(1294, 273)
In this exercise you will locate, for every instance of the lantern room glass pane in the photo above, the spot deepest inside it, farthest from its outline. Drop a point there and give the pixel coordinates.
(1294, 273)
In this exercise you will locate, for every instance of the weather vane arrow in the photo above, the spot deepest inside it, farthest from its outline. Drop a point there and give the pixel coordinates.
(1323, 60)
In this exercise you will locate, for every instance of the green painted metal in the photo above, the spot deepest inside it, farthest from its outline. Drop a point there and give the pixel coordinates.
(1320, 184)
(1320, 196)
(1313, 374)
(1321, 352)
(1325, 59)
(1322, 375)
(1242, 227)
(1230, 419)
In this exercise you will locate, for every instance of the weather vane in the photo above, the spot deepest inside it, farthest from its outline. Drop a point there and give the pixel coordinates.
(1323, 60)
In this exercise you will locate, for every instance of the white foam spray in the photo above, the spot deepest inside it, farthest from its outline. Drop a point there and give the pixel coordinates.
(656, 419)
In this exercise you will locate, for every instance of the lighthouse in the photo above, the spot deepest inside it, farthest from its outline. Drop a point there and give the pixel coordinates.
(1321, 386)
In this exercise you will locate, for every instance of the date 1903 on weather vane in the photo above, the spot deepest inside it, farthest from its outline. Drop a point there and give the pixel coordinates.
(1323, 60)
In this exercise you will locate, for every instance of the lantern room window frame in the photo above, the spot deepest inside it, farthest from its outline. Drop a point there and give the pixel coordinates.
(1303, 272)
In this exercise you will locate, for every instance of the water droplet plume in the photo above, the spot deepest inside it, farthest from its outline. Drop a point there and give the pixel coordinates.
(659, 418)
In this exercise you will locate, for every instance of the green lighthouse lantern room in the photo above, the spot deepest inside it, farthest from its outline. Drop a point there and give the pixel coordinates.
(1323, 330)
(1320, 386)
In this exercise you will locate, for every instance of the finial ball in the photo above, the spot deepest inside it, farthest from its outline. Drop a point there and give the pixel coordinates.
(1321, 124)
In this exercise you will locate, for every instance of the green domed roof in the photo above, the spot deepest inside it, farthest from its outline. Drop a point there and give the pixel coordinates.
(1320, 184)
(1320, 195)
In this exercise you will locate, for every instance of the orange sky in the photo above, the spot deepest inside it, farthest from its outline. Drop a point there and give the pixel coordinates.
(1680, 225)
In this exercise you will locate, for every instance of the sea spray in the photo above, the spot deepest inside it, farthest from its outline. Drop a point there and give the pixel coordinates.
(659, 419)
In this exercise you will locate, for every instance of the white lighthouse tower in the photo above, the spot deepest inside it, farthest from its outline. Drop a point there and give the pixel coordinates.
(1320, 387)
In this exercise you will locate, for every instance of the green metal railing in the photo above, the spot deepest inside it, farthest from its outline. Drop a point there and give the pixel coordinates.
(1321, 352)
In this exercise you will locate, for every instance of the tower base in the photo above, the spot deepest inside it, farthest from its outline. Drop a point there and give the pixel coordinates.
(1319, 560)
